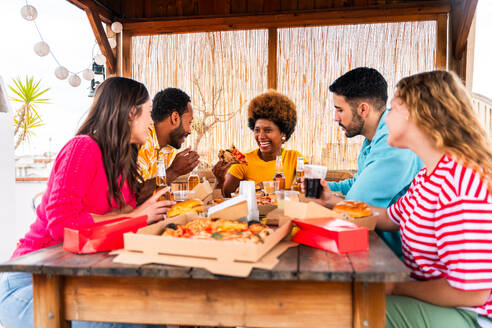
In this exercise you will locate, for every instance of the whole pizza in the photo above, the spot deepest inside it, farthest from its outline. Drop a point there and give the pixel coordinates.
(219, 229)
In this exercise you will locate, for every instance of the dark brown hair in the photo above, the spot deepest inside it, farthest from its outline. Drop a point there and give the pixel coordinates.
(116, 100)
(274, 107)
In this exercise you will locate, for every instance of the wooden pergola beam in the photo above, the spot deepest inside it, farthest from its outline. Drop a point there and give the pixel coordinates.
(272, 58)
(107, 15)
(462, 14)
(376, 14)
(102, 40)
(442, 42)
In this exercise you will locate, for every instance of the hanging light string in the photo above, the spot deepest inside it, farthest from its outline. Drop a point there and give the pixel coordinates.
(42, 48)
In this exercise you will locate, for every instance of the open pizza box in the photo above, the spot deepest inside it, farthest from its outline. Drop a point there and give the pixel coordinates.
(301, 210)
(202, 191)
(219, 257)
(368, 222)
(263, 210)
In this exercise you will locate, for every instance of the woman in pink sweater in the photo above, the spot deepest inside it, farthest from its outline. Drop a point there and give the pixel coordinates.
(94, 178)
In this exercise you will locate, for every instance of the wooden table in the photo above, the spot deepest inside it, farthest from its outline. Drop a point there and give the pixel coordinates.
(308, 288)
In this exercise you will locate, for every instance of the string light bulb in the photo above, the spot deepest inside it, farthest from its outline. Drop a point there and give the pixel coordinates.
(117, 27)
(29, 13)
(87, 74)
(41, 48)
(100, 59)
(61, 72)
(74, 80)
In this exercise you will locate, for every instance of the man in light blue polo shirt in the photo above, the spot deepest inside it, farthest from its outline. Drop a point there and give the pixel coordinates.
(384, 173)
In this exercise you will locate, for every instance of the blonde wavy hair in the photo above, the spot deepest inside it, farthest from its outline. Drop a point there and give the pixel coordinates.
(439, 104)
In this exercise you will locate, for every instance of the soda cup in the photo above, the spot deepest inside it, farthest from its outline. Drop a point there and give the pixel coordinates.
(312, 180)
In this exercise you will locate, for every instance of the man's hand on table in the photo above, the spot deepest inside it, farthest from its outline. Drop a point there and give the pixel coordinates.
(184, 162)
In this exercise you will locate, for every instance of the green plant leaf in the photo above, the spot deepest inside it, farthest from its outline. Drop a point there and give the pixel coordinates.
(28, 92)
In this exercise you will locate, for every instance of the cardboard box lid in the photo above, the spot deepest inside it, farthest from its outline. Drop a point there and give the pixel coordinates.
(231, 209)
(308, 210)
(368, 222)
(201, 191)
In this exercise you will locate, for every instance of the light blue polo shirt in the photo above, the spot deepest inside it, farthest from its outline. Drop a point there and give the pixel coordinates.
(384, 174)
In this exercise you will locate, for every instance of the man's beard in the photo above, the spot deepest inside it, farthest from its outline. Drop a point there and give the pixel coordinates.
(355, 127)
(176, 135)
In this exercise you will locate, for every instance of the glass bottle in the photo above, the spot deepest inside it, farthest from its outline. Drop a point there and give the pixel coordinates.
(161, 180)
(296, 185)
(279, 173)
(193, 179)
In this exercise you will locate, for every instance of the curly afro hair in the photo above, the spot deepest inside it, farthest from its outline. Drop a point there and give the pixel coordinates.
(275, 107)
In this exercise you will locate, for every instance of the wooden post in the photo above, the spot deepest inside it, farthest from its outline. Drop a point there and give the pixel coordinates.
(272, 58)
(442, 41)
(111, 34)
(369, 305)
(470, 55)
(125, 63)
(47, 303)
(102, 40)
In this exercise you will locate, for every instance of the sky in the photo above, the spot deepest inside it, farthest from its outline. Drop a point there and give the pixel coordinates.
(66, 29)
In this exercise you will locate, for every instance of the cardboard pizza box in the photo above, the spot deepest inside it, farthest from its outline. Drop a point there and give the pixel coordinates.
(235, 268)
(276, 217)
(334, 235)
(368, 222)
(203, 191)
(265, 209)
(148, 240)
(230, 209)
(300, 210)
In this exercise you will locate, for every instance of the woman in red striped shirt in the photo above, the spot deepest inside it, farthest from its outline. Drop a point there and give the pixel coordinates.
(445, 218)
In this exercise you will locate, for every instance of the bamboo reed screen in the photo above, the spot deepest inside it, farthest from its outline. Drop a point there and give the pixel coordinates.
(222, 71)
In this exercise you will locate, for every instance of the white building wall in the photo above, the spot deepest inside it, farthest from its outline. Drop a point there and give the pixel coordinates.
(8, 230)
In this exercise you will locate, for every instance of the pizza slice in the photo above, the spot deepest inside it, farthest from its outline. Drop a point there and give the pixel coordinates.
(232, 155)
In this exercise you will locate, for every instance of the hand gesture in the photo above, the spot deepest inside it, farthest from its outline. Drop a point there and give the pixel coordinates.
(327, 198)
(153, 208)
(145, 190)
(220, 169)
(184, 162)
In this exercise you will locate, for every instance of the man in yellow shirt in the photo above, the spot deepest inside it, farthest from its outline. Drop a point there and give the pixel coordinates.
(172, 114)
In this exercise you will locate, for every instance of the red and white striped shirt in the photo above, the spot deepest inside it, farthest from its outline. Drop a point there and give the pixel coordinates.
(446, 228)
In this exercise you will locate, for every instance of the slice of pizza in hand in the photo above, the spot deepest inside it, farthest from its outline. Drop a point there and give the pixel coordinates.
(232, 155)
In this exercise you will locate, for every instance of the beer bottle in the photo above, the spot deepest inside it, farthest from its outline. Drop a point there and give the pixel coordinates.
(193, 179)
(279, 173)
(161, 180)
(296, 185)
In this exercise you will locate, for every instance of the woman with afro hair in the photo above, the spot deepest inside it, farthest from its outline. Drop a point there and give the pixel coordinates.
(272, 117)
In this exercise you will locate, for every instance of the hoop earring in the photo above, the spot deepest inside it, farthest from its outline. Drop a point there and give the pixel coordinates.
(283, 138)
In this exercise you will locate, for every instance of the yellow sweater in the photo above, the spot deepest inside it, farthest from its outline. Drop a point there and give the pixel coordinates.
(258, 170)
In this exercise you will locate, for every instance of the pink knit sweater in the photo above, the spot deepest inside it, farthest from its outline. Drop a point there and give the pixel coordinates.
(77, 187)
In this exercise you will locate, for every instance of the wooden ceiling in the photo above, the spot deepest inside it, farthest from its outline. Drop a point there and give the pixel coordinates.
(147, 17)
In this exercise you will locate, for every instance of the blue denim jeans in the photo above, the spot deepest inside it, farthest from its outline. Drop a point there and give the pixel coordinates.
(16, 304)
